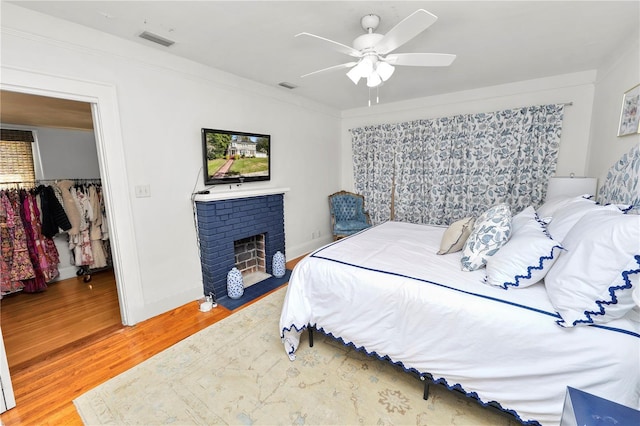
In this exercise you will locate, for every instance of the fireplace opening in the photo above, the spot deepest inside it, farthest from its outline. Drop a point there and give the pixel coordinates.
(250, 259)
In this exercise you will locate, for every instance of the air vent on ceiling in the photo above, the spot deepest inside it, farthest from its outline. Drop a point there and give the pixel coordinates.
(287, 85)
(156, 39)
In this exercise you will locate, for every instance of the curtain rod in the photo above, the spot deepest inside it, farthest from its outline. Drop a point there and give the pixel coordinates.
(80, 180)
(570, 103)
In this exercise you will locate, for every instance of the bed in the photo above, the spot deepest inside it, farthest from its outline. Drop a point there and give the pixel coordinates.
(386, 291)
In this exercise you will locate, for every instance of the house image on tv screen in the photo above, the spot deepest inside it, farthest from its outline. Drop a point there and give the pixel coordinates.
(244, 146)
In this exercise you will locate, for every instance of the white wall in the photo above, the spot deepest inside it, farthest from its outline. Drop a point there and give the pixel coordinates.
(616, 77)
(163, 102)
(577, 88)
(67, 154)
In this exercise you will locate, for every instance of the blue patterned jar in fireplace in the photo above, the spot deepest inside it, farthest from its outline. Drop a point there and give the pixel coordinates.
(235, 285)
(278, 265)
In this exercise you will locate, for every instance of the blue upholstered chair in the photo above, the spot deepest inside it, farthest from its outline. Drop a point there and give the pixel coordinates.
(347, 214)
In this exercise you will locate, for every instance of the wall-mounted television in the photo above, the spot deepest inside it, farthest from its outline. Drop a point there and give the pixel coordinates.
(235, 157)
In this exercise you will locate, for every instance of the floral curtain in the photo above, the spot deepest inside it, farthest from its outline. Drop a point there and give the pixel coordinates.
(443, 169)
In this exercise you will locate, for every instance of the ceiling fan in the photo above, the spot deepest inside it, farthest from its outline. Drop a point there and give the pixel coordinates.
(372, 50)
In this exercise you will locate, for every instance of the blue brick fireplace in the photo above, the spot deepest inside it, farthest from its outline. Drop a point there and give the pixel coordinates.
(224, 221)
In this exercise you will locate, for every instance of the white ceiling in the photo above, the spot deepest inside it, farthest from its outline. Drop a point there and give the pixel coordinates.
(496, 42)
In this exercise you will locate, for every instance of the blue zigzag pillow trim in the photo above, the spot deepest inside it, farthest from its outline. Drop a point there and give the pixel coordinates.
(541, 259)
(612, 293)
(539, 266)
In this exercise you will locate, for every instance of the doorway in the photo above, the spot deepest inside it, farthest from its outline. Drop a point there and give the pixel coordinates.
(76, 307)
(110, 147)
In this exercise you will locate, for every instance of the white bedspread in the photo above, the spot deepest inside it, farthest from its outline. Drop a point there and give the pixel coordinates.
(387, 292)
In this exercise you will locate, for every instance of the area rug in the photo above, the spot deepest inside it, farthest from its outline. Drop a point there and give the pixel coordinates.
(236, 372)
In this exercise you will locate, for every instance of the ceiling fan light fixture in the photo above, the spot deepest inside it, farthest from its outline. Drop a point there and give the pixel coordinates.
(354, 74)
(385, 70)
(373, 80)
(366, 66)
(363, 69)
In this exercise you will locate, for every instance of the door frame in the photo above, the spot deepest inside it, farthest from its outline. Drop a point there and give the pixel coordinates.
(7, 397)
(111, 159)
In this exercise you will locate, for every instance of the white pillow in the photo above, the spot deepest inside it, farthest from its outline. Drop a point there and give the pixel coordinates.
(547, 210)
(527, 257)
(592, 281)
(491, 230)
(565, 217)
(521, 219)
(456, 235)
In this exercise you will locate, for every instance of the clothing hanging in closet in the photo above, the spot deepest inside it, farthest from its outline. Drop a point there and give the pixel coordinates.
(28, 258)
(29, 219)
(89, 228)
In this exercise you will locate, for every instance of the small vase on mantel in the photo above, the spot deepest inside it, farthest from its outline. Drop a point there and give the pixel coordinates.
(278, 266)
(235, 285)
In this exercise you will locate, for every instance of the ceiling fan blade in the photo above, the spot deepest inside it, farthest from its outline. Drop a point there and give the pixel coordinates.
(421, 59)
(333, 68)
(342, 48)
(405, 30)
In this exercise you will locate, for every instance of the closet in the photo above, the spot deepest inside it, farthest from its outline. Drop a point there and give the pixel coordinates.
(72, 295)
(32, 213)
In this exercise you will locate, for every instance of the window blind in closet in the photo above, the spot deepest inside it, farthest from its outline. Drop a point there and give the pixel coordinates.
(16, 156)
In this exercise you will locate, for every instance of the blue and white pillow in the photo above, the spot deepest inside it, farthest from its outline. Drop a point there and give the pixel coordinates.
(528, 255)
(490, 232)
(592, 282)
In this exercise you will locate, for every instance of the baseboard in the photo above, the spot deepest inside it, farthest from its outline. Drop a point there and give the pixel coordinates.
(307, 247)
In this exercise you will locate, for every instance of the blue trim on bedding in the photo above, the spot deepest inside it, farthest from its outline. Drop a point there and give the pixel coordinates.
(541, 259)
(545, 231)
(293, 327)
(542, 224)
(626, 209)
(539, 266)
(623, 207)
(495, 299)
(397, 274)
(614, 299)
(457, 387)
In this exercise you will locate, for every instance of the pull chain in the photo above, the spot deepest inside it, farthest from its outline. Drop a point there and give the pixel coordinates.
(377, 95)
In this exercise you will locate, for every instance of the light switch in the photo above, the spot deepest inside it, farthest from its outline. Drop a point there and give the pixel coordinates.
(143, 191)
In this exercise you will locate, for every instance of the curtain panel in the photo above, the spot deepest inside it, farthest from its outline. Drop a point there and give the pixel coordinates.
(440, 170)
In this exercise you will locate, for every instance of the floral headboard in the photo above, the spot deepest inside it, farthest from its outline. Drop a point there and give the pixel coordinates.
(622, 183)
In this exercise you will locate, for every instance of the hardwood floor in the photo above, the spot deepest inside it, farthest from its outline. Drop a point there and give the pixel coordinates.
(35, 326)
(45, 389)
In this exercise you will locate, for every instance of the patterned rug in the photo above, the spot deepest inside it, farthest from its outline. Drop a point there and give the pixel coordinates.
(236, 372)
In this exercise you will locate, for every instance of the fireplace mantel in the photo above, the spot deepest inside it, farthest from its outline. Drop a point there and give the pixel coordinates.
(243, 193)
